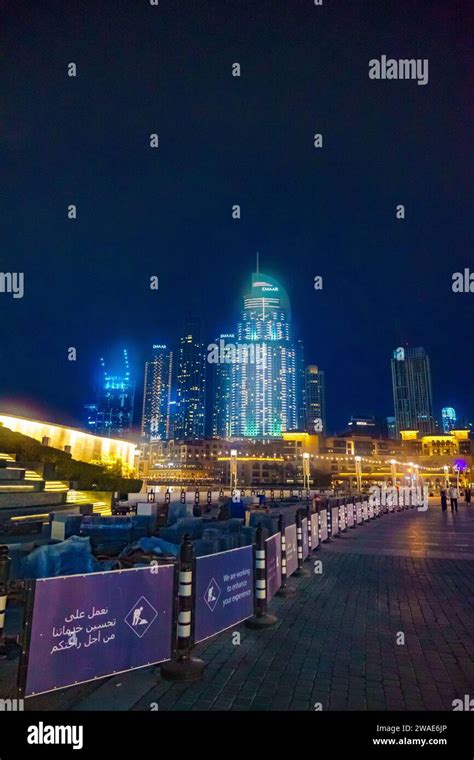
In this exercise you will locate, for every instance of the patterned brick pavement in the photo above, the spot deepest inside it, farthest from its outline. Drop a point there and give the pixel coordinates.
(336, 640)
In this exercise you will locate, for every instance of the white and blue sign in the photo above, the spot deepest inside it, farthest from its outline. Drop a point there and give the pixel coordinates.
(89, 626)
(224, 591)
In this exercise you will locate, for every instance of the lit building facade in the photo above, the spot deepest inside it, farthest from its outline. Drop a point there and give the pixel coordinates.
(157, 394)
(448, 419)
(263, 393)
(315, 400)
(222, 392)
(82, 446)
(412, 395)
(191, 383)
(112, 414)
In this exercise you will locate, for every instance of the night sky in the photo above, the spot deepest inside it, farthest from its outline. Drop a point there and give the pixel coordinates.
(224, 141)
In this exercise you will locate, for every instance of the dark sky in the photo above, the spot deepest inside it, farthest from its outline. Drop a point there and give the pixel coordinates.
(226, 140)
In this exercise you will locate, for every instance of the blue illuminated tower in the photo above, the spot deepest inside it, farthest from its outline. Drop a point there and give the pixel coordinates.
(263, 393)
(157, 394)
(112, 414)
(191, 382)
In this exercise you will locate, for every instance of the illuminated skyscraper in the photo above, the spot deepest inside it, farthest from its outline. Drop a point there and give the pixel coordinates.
(412, 397)
(448, 419)
(300, 385)
(315, 398)
(222, 388)
(264, 401)
(191, 383)
(157, 394)
(112, 414)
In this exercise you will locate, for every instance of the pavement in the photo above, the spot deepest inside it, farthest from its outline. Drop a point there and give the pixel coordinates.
(385, 625)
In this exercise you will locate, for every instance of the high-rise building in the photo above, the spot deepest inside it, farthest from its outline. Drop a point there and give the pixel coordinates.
(157, 394)
(222, 387)
(448, 419)
(412, 396)
(300, 385)
(264, 401)
(391, 428)
(112, 414)
(315, 400)
(191, 383)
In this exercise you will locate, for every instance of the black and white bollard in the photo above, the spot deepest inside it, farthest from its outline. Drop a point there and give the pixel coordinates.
(301, 571)
(261, 619)
(310, 535)
(184, 667)
(284, 590)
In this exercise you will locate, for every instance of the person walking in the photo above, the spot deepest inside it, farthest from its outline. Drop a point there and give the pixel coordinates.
(467, 495)
(454, 496)
(444, 500)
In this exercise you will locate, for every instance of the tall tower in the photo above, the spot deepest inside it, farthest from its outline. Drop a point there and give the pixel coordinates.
(412, 396)
(315, 400)
(264, 401)
(300, 385)
(157, 394)
(112, 414)
(222, 389)
(191, 383)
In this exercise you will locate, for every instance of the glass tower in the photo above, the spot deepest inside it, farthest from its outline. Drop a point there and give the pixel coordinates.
(448, 418)
(315, 397)
(157, 394)
(112, 414)
(263, 390)
(412, 396)
(222, 388)
(191, 383)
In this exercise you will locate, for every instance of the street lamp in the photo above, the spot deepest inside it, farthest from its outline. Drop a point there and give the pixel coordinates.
(233, 469)
(393, 467)
(358, 472)
(306, 471)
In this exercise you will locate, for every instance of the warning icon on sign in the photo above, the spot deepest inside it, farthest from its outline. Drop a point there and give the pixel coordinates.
(141, 616)
(212, 594)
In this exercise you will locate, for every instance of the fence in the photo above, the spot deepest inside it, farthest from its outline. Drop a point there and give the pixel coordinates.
(80, 628)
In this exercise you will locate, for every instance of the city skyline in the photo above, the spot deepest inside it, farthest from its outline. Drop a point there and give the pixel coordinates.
(211, 389)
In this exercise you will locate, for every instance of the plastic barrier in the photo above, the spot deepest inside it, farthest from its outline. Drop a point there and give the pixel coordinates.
(350, 517)
(97, 625)
(334, 517)
(273, 561)
(342, 518)
(323, 523)
(291, 550)
(365, 511)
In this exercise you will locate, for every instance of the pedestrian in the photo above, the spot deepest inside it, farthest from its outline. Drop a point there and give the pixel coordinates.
(467, 495)
(454, 495)
(444, 500)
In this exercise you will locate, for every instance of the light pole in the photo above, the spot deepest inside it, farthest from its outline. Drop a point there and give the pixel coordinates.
(358, 468)
(393, 468)
(306, 471)
(233, 469)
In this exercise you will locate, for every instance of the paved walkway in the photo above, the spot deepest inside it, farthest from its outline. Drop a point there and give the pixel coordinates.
(335, 645)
